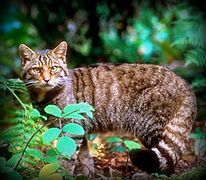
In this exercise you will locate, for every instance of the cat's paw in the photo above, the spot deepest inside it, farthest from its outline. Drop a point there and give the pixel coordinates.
(85, 168)
(145, 160)
(85, 163)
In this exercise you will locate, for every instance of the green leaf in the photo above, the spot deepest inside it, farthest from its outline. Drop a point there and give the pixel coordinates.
(198, 130)
(53, 110)
(194, 136)
(49, 169)
(73, 128)
(91, 137)
(86, 108)
(118, 149)
(50, 135)
(55, 176)
(71, 108)
(77, 109)
(13, 175)
(36, 178)
(12, 161)
(2, 161)
(196, 56)
(35, 113)
(90, 114)
(75, 115)
(198, 134)
(132, 144)
(51, 152)
(114, 139)
(5, 169)
(34, 153)
(50, 159)
(66, 146)
(44, 117)
(199, 82)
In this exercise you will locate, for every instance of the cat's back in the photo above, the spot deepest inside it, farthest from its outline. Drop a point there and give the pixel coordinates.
(122, 91)
(127, 78)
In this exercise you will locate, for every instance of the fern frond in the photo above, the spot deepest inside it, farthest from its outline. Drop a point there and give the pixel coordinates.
(182, 42)
(196, 56)
(193, 41)
(197, 83)
(11, 132)
(14, 84)
(191, 27)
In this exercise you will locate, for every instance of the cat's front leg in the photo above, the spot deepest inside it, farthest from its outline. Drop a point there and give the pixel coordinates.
(85, 162)
(68, 164)
(81, 163)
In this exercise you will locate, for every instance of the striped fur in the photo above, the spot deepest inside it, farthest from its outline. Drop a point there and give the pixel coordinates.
(148, 101)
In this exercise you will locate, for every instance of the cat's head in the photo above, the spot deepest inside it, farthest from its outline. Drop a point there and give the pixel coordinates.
(46, 69)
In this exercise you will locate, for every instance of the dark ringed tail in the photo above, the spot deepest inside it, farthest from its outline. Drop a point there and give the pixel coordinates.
(164, 156)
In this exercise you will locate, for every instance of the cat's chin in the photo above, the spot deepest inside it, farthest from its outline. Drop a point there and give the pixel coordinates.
(47, 87)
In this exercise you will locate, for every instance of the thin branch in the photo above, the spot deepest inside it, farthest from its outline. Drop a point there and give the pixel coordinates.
(127, 161)
(24, 150)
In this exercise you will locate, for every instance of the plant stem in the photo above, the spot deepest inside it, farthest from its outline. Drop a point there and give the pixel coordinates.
(22, 154)
(64, 115)
(14, 94)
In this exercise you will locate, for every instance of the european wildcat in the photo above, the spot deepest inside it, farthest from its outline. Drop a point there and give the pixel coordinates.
(149, 101)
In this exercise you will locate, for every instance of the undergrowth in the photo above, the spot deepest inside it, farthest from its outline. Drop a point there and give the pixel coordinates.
(30, 142)
(191, 28)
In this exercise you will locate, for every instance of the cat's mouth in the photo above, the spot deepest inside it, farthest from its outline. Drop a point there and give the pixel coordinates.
(45, 86)
(48, 86)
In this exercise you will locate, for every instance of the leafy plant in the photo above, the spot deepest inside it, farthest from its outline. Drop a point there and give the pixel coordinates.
(49, 171)
(190, 26)
(198, 83)
(26, 142)
(129, 144)
(20, 135)
(66, 145)
(7, 171)
(200, 142)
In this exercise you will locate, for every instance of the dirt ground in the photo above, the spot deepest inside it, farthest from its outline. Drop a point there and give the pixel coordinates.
(117, 165)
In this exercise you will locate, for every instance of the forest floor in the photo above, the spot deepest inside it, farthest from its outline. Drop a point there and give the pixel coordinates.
(117, 165)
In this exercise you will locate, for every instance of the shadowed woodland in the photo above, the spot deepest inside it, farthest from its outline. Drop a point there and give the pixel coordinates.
(169, 33)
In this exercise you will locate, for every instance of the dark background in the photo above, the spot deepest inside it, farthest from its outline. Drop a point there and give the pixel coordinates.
(170, 33)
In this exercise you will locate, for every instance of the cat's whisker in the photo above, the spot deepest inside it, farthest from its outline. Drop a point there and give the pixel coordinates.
(59, 85)
(61, 80)
(30, 85)
(31, 82)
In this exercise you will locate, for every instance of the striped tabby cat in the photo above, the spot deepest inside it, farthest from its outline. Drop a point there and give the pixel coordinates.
(148, 101)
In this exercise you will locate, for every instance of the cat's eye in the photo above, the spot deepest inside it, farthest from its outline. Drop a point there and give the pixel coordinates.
(36, 70)
(55, 69)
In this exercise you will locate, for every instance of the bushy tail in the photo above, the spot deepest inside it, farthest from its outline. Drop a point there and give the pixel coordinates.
(164, 156)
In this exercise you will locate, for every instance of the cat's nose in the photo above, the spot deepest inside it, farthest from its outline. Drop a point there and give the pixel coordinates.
(46, 80)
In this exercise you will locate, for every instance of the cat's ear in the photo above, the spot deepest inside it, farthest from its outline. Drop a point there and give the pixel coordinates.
(60, 51)
(25, 54)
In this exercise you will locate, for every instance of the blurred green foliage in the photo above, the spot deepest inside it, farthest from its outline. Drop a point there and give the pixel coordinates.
(170, 33)
(103, 31)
